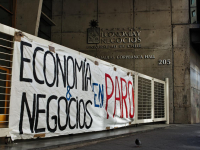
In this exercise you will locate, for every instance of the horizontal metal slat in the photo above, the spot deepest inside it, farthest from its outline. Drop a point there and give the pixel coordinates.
(5, 60)
(4, 94)
(5, 87)
(5, 66)
(5, 53)
(5, 80)
(5, 73)
(10, 48)
(6, 40)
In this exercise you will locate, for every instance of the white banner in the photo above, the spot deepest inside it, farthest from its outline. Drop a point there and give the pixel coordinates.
(64, 93)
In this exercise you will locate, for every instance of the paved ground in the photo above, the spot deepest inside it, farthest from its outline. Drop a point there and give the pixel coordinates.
(77, 139)
(175, 137)
(153, 137)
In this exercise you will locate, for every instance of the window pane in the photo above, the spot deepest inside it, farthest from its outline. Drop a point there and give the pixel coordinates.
(47, 8)
(192, 2)
(7, 4)
(44, 30)
(5, 17)
(193, 13)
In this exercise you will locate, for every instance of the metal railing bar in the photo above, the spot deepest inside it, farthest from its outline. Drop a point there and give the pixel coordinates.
(5, 73)
(146, 110)
(159, 95)
(4, 94)
(4, 100)
(3, 121)
(4, 114)
(145, 117)
(4, 107)
(6, 40)
(5, 53)
(10, 48)
(5, 87)
(160, 117)
(5, 60)
(5, 66)
(5, 80)
(144, 80)
(159, 113)
(157, 105)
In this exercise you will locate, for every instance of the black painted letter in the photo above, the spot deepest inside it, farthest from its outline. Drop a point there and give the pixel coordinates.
(34, 72)
(53, 117)
(21, 78)
(31, 119)
(37, 114)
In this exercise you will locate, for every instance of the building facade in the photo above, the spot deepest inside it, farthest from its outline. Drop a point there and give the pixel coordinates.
(159, 38)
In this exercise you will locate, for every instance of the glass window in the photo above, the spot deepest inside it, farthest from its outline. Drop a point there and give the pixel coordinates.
(47, 8)
(45, 28)
(193, 13)
(6, 8)
(192, 2)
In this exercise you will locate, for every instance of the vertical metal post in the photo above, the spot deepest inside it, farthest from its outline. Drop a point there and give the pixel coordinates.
(38, 17)
(136, 98)
(167, 100)
(152, 99)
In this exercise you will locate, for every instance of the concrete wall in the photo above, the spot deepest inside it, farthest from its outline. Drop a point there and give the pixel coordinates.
(181, 49)
(152, 17)
(28, 15)
(195, 84)
(164, 26)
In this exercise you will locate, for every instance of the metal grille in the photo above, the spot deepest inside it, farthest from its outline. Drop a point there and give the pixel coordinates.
(159, 100)
(144, 98)
(6, 47)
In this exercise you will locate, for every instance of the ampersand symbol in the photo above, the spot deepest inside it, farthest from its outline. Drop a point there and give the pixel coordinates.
(68, 95)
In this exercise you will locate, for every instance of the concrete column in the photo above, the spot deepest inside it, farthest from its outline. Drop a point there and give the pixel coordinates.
(181, 65)
(28, 15)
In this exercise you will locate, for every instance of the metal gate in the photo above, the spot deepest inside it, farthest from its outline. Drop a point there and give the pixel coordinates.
(151, 95)
(151, 99)
(6, 49)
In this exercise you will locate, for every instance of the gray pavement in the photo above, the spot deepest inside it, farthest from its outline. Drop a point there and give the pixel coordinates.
(175, 137)
(78, 140)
